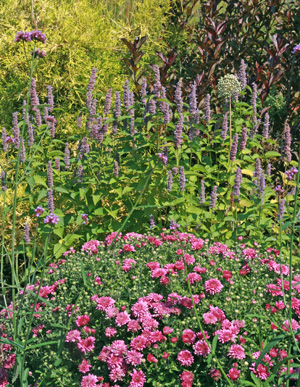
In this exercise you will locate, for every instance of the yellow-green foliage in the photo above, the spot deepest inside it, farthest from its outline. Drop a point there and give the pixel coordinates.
(81, 34)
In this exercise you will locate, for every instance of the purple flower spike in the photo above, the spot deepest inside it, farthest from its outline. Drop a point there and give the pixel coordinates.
(144, 91)
(225, 126)
(50, 174)
(237, 182)
(182, 179)
(207, 108)
(178, 131)
(152, 223)
(174, 225)
(234, 147)
(213, 198)
(178, 96)
(50, 98)
(107, 103)
(26, 234)
(50, 200)
(202, 193)
(170, 181)
(281, 209)
(38, 53)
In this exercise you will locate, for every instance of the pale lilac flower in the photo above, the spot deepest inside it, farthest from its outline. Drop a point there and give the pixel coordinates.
(202, 193)
(261, 187)
(107, 103)
(296, 49)
(38, 35)
(152, 106)
(50, 200)
(33, 95)
(242, 74)
(3, 186)
(224, 126)
(178, 96)
(237, 182)
(157, 83)
(22, 35)
(281, 209)
(266, 126)
(22, 152)
(182, 179)
(174, 225)
(170, 181)
(57, 164)
(16, 130)
(253, 102)
(152, 223)
(38, 53)
(30, 135)
(67, 156)
(213, 199)
(85, 218)
(26, 233)
(207, 108)
(178, 132)
(287, 155)
(234, 147)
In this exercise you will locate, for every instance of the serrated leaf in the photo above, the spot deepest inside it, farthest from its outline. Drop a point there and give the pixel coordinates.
(272, 154)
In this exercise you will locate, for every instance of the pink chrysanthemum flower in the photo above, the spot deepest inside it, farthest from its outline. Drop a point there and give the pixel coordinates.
(110, 332)
(209, 318)
(118, 347)
(236, 352)
(82, 320)
(89, 381)
(234, 374)
(137, 379)
(194, 277)
(189, 259)
(104, 354)
(103, 303)
(201, 348)
(86, 345)
(261, 371)
(286, 325)
(133, 326)
(140, 309)
(84, 366)
(117, 373)
(226, 335)
(187, 376)
(185, 358)
(188, 336)
(122, 319)
(213, 286)
(73, 336)
(134, 357)
(114, 361)
(139, 343)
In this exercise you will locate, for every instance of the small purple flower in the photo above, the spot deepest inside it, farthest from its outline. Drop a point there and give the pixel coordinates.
(144, 91)
(243, 75)
(287, 155)
(152, 106)
(93, 110)
(234, 147)
(3, 180)
(152, 223)
(268, 169)
(253, 102)
(57, 164)
(237, 182)
(107, 103)
(39, 211)
(296, 49)
(51, 219)
(38, 35)
(80, 173)
(50, 200)
(182, 179)
(178, 131)
(243, 139)
(26, 233)
(163, 158)
(261, 187)
(207, 108)
(116, 169)
(224, 126)
(24, 112)
(213, 198)
(33, 95)
(16, 130)
(266, 126)
(202, 193)
(85, 218)
(30, 135)
(193, 99)
(38, 53)
(178, 96)
(170, 181)
(38, 118)
(117, 109)
(52, 121)
(157, 83)
(174, 225)
(50, 97)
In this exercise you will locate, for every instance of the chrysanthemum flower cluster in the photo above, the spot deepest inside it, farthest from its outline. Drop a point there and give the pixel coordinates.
(138, 319)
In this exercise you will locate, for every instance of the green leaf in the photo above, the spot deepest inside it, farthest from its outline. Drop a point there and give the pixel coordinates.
(41, 345)
(30, 181)
(271, 344)
(58, 250)
(39, 180)
(272, 154)
(61, 189)
(96, 198)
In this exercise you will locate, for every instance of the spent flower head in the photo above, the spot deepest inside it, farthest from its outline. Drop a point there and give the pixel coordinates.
(229, 85)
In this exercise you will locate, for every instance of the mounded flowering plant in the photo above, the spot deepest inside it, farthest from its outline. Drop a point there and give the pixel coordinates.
(119, 313)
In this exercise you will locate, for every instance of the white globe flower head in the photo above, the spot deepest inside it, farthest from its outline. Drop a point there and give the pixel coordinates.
(229, 85)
